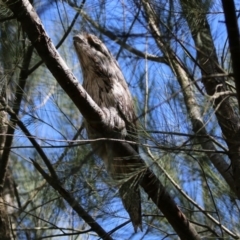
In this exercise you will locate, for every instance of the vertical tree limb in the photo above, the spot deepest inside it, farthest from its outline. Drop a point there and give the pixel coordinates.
(234, 41)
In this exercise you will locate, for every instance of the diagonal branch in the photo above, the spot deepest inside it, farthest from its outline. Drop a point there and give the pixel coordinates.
(31, 24)
(62, 39)
(73, 203)
(53, 178)
(194, 112)
(193, 202)
(122, 43)
(16, 120)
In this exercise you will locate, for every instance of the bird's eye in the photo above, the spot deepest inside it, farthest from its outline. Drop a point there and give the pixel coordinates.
(94, 44)
(98, 45)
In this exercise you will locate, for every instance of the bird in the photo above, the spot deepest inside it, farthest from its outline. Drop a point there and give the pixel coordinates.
(104, 82)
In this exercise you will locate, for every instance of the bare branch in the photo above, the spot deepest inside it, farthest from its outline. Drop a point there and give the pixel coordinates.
(15, 119)
(62, 39)
(234, 42)
(113, 37)
(53, 178)
(73, 203)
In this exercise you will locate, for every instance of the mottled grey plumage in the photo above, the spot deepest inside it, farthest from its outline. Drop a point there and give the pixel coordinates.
(104, 82)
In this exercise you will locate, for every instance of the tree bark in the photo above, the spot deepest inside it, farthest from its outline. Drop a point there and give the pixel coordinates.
(4, 221)
(234, 41)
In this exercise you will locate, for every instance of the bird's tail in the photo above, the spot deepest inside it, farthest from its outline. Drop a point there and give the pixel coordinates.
(131, 198)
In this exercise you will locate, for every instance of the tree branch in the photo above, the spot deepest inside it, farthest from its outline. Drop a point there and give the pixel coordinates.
(16, 104)
(123, 44)
(53, 178)
(62, 39)
(234, 41)
(31, 24)
(73, 203)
